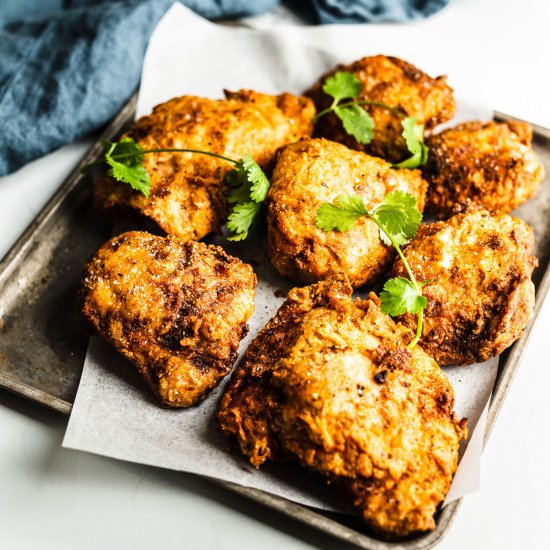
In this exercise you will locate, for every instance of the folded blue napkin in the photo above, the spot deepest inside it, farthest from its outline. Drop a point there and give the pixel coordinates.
(68, 66)
(374, 11)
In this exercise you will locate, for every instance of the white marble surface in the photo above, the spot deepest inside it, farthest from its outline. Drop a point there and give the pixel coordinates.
(54, 498)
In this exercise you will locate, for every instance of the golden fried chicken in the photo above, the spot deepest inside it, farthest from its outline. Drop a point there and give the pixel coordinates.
(187, 196)
(491, 164)
(331, 382)
(314, 171)
(395, 83)
(481, 295)
(177, 310)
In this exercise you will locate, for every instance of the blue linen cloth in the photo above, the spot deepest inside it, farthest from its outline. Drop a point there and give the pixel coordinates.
(374, 11)
(68, 66)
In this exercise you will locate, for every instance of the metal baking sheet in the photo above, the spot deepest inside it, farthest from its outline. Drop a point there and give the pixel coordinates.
(43, 336)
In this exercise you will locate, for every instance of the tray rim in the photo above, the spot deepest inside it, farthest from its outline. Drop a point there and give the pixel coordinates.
(299, 512)
(23, 244)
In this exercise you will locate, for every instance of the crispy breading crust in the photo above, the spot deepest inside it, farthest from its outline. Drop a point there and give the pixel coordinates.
(330, 382)
(396, 83)
(246, 405)
(482, 295)
(491, 164)
(314, 171)
(176, 310)
(187, 196)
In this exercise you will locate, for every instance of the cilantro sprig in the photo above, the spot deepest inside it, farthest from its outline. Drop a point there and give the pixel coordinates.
(248, 181)
(249, 189)
(398, 219)
(344, 88)
(413, 134)
(125, 159)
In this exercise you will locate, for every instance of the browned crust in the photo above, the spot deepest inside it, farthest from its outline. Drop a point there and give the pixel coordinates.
(176, 310)
(331, 383)
(248, 402)
(187, 197)
(491, 164)
(314, 171)
(396, 83)
(482, 296)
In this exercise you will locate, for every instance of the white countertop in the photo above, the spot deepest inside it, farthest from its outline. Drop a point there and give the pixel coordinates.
(53, 498)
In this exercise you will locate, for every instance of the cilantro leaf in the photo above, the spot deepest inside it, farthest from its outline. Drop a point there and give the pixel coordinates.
(400, 199)
(237, 175)
(357, 122)
(256, 176)
(126, 161)
(239, 194)
(136, 176)
(342, 85)
(351, 202)
(126, 146)
(241, 218)
(400, 296)
(398, 217)
(240, 186)
(413, 134)
(249, 189)
(248, 181)
(342, 215)
(329, 217)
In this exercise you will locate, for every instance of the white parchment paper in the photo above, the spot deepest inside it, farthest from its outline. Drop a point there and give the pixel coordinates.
(115, 414)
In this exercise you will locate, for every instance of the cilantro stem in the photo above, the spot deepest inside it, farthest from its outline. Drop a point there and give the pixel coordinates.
(418, 334)
(147, 151)
(417, 287)
(168, 150)
(397, 112)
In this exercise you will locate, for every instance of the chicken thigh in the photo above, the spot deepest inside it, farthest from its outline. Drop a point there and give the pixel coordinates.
(331, 383)
(481, 295)
(188, 191)
(314, 171)
(177, 310)
(397, 84)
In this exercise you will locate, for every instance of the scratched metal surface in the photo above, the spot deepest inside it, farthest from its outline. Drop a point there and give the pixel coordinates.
(43, 337)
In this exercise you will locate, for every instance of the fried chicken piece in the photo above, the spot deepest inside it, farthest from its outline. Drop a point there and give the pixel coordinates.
(331, 382)
(491, 164)
(314, 171)
(187, 197)
(248, 403)
(481, 296)
(177, 310)
(395, 83)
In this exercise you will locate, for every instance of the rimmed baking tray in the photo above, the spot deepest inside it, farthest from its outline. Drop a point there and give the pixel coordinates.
(43, 336)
